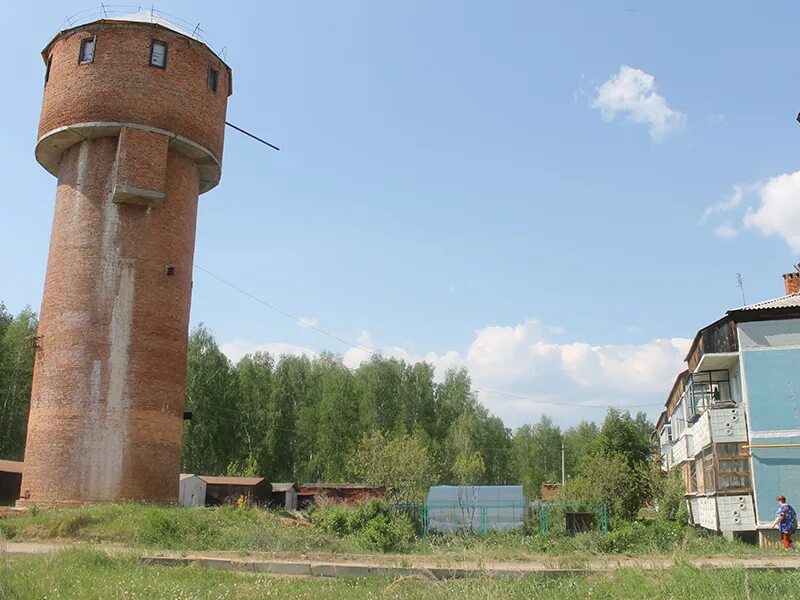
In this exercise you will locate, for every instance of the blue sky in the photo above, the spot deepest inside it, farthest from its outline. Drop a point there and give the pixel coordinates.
(556, 195)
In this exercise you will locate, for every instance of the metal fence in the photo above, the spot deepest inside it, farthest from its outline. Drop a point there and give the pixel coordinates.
(546, 517)
(570, 518)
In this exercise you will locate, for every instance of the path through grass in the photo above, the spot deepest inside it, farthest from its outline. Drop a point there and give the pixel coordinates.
(86, 574)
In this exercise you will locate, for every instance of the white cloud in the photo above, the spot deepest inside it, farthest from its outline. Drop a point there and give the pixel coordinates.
(731, 202)
(356, 355)
(632, 93)
(538, 373)
(726, 230)
(645, 367)
(365, 349)
(525, 351)
(779, 212)
(509, 353)
(308, 322)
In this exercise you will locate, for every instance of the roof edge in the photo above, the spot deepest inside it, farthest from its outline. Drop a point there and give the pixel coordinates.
(109, 22)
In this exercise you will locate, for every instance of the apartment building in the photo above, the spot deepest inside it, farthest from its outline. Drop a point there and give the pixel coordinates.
(732, 418)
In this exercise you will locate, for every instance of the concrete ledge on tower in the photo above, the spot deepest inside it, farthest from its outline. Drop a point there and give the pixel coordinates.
(52, 145)
(141, 167)
(130, 195)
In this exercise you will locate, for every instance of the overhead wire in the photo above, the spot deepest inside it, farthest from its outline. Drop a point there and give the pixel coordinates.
(305, 323)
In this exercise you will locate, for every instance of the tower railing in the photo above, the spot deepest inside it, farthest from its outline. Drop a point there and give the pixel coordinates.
(110, 11)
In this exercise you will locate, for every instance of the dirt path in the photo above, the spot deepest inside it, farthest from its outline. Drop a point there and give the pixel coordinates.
(435, 567)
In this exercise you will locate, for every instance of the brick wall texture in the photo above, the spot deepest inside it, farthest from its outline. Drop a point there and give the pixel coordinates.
(119, 85)
(792, 282)
(141, 160)
(106, 411)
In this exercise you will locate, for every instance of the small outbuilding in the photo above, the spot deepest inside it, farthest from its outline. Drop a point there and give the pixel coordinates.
(228, 490)
(284, 495)
(475, 508)
(349, 493)
(192, 491)
(10, 481)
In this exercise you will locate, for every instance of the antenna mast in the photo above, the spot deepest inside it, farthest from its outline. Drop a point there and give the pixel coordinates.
(741, 287)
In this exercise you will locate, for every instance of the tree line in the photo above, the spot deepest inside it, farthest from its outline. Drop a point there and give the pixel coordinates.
(300, 418)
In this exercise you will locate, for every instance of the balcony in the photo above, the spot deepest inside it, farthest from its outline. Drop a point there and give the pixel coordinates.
(707, 389)
(718, 338)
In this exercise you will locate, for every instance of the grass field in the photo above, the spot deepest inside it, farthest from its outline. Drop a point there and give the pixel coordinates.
(87, 574)
(254, 530)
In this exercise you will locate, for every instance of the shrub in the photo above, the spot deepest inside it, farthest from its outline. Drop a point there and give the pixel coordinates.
(374, 524)
(333, 519)
(387, 534)
(610, 479)
(668, 493)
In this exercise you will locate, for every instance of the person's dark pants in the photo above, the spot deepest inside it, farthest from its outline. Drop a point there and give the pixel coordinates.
(787, 540)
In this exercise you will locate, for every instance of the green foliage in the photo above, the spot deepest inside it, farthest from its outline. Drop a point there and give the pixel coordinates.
(211, 439)
(668, 495)
(374, 523)
(624, 436)
(338, 528)
(578, 441)
(610, 479)
(300, 419)
(17, 356)
(222, 528)
(469, 468)
(402, 463)
(388, 533)
(244, 468)
(387, 422)
(614, 468)
(537, 454)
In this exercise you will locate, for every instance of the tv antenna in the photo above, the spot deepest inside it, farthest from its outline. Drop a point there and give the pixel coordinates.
(741, 287)
(255, 137)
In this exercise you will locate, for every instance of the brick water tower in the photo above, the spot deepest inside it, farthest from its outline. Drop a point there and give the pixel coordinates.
(132, 126)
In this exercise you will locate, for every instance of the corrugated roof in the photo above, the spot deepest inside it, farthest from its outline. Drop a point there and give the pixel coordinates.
(790, 301)
(11, 466)
(341, 486)
(283, 487)
(232, 480)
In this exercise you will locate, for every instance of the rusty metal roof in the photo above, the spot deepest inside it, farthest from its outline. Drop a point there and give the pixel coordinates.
(341, 486)
(231, 480)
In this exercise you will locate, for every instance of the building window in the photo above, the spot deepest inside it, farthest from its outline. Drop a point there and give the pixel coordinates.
(690, 477)
(709, 480)
(87, 50)
(678, 421)
(47, 69)
(733, 467)
(158, 54)
(666, 434)
(213, 79)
